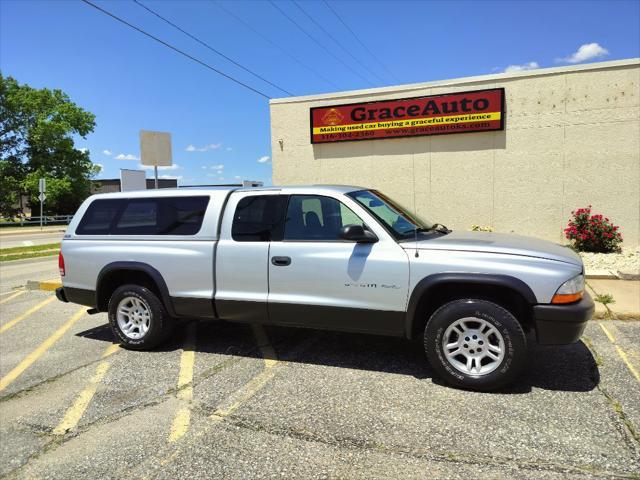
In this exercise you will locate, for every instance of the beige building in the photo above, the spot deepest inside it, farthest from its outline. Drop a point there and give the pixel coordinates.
(571, 138)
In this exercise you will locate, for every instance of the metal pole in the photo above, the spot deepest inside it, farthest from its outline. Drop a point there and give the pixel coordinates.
(155, 170)
(41, 202)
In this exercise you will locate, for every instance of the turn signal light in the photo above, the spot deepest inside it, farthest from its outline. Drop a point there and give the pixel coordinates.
(567, 298)
(570, 291)
(61, 264)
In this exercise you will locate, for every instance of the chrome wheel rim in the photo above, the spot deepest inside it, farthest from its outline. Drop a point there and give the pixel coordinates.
(473, 346)
(134, 317)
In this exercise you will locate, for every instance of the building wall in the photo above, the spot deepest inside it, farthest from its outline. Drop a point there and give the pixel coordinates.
(112, 185)
(572, 138)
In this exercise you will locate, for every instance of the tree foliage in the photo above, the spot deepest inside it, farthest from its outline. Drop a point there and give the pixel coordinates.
(37, 127)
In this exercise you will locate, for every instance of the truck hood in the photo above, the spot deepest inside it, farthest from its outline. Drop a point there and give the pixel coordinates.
(497, 243)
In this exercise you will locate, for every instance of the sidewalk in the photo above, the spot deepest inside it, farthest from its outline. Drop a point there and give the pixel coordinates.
(626, 294)
(32, 229)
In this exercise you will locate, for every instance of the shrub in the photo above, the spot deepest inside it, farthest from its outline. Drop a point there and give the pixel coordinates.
(593, 233)
(604, 298)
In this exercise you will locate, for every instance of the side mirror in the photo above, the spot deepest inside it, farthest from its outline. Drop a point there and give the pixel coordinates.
(356, 233)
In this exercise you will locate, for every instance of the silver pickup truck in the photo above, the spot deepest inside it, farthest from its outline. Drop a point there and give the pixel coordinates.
(330, 257)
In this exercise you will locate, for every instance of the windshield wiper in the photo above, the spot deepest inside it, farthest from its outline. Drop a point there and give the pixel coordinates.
(441, 229)
(432, 228)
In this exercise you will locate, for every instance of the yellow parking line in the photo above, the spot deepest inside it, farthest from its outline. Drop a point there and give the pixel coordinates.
(38, 352)
(631, 368)
(244, 394)
(182, 419)
(75, 412)
(32, 310)
(256, 383)
(609, 335)
(621, 352)
(11, 297)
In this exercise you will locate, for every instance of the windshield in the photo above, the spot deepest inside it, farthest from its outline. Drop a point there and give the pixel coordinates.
(398, 220)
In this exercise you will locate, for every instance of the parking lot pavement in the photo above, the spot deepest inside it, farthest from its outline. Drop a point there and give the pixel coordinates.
(236, 401)
(17, 273)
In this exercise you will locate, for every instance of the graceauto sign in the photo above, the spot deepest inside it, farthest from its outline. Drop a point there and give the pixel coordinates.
(478, 111)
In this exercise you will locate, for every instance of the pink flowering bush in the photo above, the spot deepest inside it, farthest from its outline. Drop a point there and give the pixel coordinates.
(593, 233)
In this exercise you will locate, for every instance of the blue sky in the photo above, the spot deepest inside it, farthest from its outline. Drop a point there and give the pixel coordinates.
(220, 130)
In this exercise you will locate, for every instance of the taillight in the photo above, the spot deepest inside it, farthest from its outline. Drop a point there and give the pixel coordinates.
(61, 264)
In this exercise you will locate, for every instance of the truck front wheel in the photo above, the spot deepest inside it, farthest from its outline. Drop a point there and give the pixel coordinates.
(138, 318)
(475, 344)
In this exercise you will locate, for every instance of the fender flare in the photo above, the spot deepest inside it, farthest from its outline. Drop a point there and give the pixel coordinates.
(155, 275)
(423, 286)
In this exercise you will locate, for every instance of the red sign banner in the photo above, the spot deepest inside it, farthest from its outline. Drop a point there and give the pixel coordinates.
(478, 111)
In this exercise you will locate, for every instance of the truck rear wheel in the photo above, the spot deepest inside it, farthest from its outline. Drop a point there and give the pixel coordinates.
(475, 344)
(138, 318)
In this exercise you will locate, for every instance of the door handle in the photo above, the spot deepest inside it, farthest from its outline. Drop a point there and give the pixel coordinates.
(281, 261)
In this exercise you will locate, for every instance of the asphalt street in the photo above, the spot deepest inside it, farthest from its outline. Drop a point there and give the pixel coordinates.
(31, 237)
(224, 400)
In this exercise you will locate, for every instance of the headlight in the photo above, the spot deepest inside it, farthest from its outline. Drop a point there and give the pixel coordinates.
(570, 291)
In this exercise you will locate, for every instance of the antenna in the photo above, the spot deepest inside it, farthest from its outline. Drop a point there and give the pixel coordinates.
(415, 230)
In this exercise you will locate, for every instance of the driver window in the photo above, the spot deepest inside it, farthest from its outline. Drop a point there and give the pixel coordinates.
(314, 217)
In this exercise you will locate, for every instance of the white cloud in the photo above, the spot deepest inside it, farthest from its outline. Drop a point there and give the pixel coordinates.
(218, 167)
(84, 149)
(128, 156)
(107, 152)
(522, 67)
(264, 159)
(215, 175)
(175, 166)
(238, 177)
(228, 149)
(170, 177)
(211, 146)
(586, 52)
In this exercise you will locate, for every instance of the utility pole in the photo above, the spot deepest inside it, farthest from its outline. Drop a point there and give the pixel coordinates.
(42, 187)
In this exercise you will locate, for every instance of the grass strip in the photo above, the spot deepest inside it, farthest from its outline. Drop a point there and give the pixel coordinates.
(29, 249)
(22, 256)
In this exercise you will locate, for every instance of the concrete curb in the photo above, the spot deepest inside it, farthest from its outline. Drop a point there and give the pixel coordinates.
(601, 275)
(31, 229)
(616, 316)
(48, 286)
(622, 275)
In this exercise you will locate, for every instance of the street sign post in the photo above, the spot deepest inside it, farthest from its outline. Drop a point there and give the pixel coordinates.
(155, 149)
(42, 187)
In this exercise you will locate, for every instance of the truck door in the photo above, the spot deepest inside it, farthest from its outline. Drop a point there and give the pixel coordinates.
(317, 279)
(251, 220)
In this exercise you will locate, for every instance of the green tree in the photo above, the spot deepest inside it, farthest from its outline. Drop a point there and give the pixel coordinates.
(37, 127)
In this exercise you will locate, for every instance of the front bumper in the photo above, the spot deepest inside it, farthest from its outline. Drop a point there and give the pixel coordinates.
(562, 324)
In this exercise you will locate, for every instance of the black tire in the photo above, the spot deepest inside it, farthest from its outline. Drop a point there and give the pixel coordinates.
(514, 342)
(160, 323)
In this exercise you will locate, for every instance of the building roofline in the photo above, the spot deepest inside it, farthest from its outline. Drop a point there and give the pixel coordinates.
(185, 192)
(539, 72)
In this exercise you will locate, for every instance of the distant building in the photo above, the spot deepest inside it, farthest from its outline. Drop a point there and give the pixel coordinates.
(244, 183)
(110, 185)
(514, 151)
